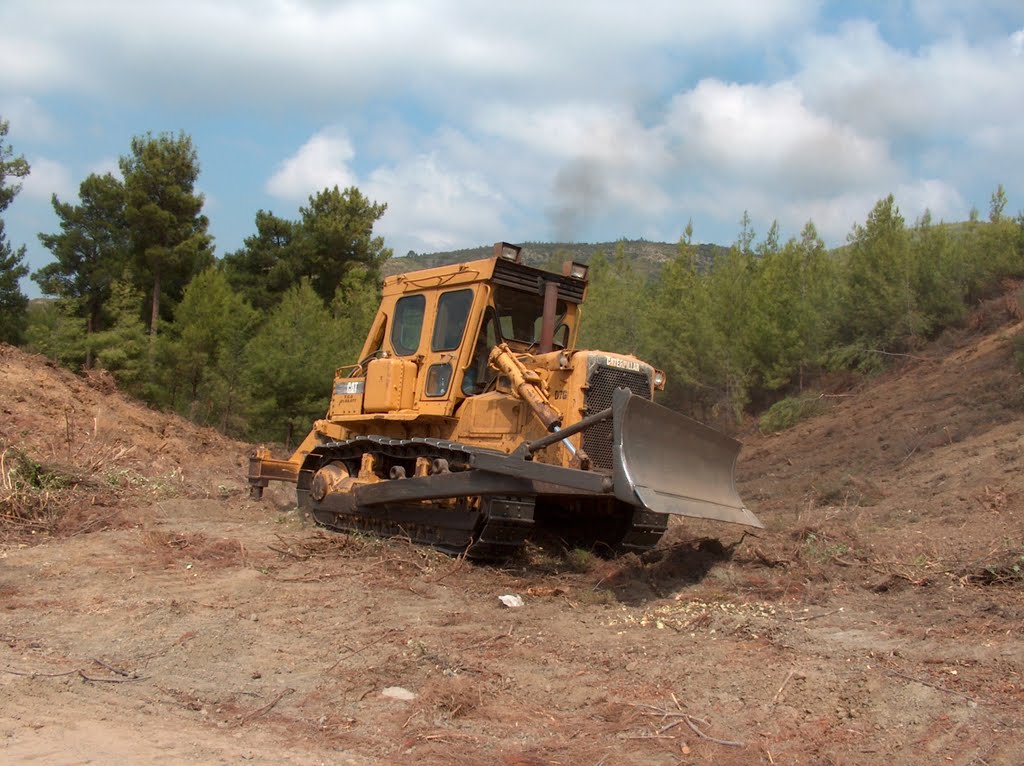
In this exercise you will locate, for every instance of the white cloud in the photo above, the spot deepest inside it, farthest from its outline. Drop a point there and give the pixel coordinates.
(768, 133)
(834, 213)
(579, 119)
(106, 165)
(937, 91)
(322, 162)
(935, 195)
(598, 131)
(435, 207)
(977, 19)
(27, 119)
(588, 160)
(29, 59)
(321, 53)
(48, 177)
(835, 216)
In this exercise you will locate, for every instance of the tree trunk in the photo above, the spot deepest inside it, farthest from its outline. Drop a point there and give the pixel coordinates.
(155, 316)
(89, 329)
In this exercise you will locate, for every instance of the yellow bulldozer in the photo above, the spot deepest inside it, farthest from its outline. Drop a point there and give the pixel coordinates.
(471, 418)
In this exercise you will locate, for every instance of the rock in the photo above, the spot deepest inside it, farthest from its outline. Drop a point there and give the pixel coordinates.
(398, 693)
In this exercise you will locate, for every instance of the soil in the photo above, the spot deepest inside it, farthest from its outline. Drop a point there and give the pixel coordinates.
(151, 613)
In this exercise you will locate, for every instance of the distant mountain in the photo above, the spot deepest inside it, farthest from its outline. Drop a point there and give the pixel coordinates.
(648, 257)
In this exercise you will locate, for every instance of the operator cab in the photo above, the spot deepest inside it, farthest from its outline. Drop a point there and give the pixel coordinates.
(429, 344)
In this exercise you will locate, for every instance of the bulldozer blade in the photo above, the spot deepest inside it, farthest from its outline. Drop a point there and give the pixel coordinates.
(668, 463)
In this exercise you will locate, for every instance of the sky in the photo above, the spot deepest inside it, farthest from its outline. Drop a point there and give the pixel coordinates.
(579, 120)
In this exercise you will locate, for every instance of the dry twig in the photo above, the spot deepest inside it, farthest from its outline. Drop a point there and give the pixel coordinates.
(354, 652)
(931, 685)
(779, 692)
(35, 674)
(109, 680)
(708, 737)
(490, 640)
(816, 616)
(688, 719)
(288, 553)
(80, 672)
(113, 669)
(265, 709)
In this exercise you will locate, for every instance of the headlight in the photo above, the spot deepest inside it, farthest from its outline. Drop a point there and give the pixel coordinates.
(507, 251)
(576, 270)
(659, 380)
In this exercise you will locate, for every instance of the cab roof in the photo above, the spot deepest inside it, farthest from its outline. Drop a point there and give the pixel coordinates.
(498, 271)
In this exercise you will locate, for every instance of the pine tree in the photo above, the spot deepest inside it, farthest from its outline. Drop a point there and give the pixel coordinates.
(13, 302)
(204, 352)
(730, 284)
(354, 308)
(683, 339)
(789, 309)
(55, 330)
(123, 347)
(333, 237)
(91, 251)
(290, 364)
(337, 230)
(999, 241)
(616, 313)
(878, 298)
(169, 239)
(941, 277)
(266, 266)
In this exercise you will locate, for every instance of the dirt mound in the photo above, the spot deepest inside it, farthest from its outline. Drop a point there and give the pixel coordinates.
(85, 422)
(922, 464)
(70, 442)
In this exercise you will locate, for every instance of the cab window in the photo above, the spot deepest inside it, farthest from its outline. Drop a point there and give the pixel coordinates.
(520, 313)
(408, 326)
(452, 312)
(478, 375)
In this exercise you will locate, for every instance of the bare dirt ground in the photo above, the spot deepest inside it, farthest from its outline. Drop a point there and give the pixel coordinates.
(151, 613)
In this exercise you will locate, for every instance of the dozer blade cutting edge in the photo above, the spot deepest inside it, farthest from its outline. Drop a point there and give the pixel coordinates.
(669, 463)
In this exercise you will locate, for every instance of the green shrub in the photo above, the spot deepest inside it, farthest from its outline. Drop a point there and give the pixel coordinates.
(790, 411)
(1017, 344)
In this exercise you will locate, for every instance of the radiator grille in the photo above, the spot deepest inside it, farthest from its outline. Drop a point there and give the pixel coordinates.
(597, 440)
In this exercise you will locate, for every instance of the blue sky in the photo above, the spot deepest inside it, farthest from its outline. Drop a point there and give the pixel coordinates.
(527, 121)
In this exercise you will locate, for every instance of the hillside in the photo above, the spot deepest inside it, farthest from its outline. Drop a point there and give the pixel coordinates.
(875, 621)
(648, 257)
(85, 428)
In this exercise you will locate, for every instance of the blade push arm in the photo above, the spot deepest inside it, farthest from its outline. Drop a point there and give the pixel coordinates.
(527, 385)
(530, 388)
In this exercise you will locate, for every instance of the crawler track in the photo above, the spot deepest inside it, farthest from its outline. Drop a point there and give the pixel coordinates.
(483, 524)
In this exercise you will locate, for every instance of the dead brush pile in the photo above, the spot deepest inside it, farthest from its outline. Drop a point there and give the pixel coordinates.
(168, 549)
(39, 501)
(79, 456)
(85, 427)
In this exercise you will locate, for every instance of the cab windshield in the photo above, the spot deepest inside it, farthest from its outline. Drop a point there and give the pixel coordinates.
(519, 316)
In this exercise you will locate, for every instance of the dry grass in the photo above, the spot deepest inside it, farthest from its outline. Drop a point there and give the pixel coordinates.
(171, 548)
(39, 501)
(452, 697)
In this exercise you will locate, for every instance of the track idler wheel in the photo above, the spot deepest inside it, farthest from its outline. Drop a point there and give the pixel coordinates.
(333, 477)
